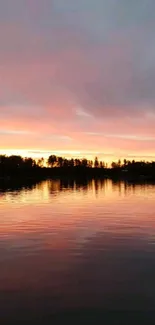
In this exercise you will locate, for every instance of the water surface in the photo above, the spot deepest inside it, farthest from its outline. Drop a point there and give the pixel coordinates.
(77, 250)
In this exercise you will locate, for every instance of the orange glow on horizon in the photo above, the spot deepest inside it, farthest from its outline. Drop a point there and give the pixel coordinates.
(107, 157)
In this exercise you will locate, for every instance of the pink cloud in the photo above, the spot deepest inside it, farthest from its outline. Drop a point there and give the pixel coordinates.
(47, 76)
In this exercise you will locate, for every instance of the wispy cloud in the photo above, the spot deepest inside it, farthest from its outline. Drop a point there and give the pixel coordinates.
(58, 137)
(83, 113)
(15, 132)
(122, 136)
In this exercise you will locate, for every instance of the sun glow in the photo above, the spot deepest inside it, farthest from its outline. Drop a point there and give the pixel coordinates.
(107, 158)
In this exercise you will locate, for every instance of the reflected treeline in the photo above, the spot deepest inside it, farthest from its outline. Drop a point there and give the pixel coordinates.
(97, 186)
(12, 185)
(58, 185)
(76, 185)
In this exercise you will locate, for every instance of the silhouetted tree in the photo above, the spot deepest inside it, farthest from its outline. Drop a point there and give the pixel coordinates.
(40, 162)
(3, 159)
(60, 161)
(52, 160)
(96, 163)
(113, 164)
(29, 163)
(125, 162)
(84, 162)
(15, 161)
(102, 164)
(119, 163)
(90, 163)
(77, 162)
(71, 162)
(65, 163)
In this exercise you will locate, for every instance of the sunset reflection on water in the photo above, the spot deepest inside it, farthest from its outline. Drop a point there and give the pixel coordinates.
(69, 245)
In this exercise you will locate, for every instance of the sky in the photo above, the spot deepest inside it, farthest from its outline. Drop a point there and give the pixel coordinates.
(77, 78)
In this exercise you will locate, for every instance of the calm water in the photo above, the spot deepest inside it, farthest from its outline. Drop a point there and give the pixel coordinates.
(79, 252)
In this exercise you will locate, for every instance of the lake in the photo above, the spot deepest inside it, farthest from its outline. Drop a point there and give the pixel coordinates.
(77, 251)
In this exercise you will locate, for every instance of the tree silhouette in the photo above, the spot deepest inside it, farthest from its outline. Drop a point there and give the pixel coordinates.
(84, 162)
(71, 162)
(52, 160)
(102, 164)
(77, 162)
(60, 162)
(113, 164)
(40, 162)
(125, 162)
(90, 163)
(119, 163)
(29, 163)
(96, 163)
(15, 161)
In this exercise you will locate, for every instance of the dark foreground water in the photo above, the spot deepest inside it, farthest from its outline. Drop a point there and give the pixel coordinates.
(77, 253)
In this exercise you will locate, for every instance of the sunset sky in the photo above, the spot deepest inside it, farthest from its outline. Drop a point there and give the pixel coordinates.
(77, 77)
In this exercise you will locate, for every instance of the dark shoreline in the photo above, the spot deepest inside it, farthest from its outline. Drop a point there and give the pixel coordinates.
(18, 169)
(76, 173)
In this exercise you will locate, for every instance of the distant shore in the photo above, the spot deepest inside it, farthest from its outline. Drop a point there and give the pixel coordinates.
(17, 168)
(67, 173)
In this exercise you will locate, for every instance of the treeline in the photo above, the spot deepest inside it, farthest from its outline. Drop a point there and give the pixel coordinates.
(54, 161)
(126, 169)
(18, 167)
(18, 162)
(59, 166)
(123, 166)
